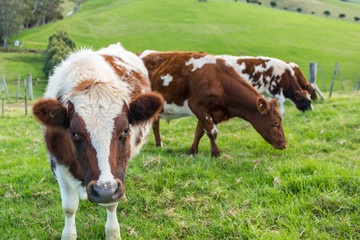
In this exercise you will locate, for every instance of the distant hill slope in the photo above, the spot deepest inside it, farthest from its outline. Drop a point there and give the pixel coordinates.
(351, 8)
(216, 27)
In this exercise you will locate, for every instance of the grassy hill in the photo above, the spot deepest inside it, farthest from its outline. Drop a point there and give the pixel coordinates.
(317, 7)
(214, 27)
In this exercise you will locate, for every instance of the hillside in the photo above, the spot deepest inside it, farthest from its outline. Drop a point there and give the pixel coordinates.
(216, 27)
(351, 8)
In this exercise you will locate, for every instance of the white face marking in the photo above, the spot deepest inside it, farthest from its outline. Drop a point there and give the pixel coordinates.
(172, 111)
(167, 79)
(200, 62)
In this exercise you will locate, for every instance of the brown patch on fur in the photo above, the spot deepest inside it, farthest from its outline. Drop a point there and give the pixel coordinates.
(213, 91)
(134, 79)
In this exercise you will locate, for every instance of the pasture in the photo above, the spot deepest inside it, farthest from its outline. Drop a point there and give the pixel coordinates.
(252, 191)
(310, 190)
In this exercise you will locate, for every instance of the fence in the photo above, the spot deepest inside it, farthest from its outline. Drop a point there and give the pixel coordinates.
(28, 91)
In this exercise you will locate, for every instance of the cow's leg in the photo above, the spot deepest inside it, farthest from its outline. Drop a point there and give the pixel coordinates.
(70, 203)
(280, 96)
(198, 135)
(112, 229)
(209, 127)
(156, 129)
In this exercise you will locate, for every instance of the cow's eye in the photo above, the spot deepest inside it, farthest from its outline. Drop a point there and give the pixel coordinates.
(276, 123)
(125, 132)
(74, 136)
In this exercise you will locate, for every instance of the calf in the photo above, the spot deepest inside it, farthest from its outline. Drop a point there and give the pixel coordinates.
(273, 78)
(96, 112)
(302, 80)
(208, 88)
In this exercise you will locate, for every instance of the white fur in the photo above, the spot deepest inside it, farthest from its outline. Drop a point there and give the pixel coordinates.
(146, 52)
(200, 62)
(98, 106)
(167, 79)
(172, 111)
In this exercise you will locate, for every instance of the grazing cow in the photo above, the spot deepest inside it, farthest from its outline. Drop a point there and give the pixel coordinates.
(208, 88)
(273, 78)
(97, 112)
(302, 80)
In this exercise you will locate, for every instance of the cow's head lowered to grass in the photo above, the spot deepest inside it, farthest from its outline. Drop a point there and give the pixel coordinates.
(98, 131)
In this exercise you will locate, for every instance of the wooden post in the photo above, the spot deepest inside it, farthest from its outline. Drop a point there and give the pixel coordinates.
(342, 85)
(323, 78)
(30, 86)
(17, 89)
(358, 85)
(333, 80)
(312, 72)
(4, 86)
(25, 86)
(2, 98)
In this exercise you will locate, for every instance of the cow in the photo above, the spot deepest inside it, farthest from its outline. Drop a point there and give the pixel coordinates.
(208, 88)
(97, 111)
(302, 80)
(273, 78)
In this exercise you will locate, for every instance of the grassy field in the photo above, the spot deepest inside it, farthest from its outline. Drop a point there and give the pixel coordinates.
(215, 27)
(308, 191)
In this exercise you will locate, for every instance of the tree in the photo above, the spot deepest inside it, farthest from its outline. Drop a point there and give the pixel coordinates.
(299, 9)
(342, 15)
(60, 45)
(273, 4)
(312, 12)
(10, 18)
(327, 13)
(356, 18)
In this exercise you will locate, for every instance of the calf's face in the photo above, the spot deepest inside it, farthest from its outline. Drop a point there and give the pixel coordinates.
(268, 123)
(100, 149)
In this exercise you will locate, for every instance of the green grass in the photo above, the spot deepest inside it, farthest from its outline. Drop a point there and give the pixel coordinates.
(216, 27)
(252, 191)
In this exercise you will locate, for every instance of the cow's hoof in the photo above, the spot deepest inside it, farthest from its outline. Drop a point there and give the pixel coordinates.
(215, 154)
(193, 151)
(68, 236)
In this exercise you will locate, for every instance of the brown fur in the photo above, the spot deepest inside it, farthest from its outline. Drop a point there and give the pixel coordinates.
(215, 93)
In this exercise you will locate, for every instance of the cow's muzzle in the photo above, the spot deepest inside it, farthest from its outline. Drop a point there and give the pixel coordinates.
(105, 192)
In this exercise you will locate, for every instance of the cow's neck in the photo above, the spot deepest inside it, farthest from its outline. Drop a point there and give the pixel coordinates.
(241, 99)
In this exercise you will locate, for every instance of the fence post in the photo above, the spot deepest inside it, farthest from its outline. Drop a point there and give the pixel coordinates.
(358, 85)
(2, 97)
(4, 85)
(323, 78)
(17, 89)
(342, 85)
(25, 86)
(312, 72)
(30, 86)
(333, 80)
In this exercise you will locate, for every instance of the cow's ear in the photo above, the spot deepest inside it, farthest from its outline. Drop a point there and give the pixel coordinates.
(51, 113)
(262, 105)
(145, 107)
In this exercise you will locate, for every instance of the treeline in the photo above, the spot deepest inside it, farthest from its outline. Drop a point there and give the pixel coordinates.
(24, 14)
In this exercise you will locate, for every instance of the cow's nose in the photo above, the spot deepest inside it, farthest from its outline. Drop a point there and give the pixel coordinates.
(105, 192)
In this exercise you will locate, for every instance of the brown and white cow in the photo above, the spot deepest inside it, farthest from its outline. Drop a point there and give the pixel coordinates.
(208, 88)
(272, 78)
(96, 112)
(302, 80)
